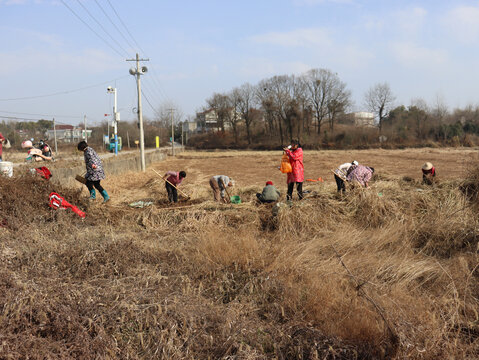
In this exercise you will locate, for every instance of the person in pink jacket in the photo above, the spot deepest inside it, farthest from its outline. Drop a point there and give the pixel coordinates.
(295, 154)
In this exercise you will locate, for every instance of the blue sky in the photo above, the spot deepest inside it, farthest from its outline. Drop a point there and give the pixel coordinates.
(423, 49)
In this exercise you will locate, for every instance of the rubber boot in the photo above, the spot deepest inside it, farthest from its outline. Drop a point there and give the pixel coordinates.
(106, 198)
(92, 194)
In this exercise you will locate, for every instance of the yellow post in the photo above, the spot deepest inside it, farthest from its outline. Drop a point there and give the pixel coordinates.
(157, 142)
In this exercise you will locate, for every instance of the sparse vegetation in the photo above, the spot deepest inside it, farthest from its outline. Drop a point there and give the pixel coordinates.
(388, 272)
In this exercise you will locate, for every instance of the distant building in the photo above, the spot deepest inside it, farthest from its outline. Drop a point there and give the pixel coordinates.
(363, 118)
(208, 120)
(190, 126)
(68, 133)
(359, 118)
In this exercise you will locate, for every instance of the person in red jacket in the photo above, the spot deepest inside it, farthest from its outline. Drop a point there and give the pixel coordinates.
(2, 139)
(295, 154)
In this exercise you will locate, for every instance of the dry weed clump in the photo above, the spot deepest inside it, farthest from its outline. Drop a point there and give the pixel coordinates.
(359, 276)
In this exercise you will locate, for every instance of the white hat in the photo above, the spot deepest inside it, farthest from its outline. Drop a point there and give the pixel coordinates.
(427, 166)
(354, 162)
(27, 144)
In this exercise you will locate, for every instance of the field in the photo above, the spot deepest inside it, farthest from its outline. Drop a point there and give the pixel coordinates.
(385, 272)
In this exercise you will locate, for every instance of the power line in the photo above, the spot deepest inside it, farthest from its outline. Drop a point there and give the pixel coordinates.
(47, 115)
(116, 27)
(101, 26)
(155, 112)
(86, 24)
(155, 77)
(63, 92)
(126, 28)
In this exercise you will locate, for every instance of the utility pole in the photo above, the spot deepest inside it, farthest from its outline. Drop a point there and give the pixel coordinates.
(55, 136)
(182, 133)
(139, 72)
(84, 125)
(116, 117)
(172, 134)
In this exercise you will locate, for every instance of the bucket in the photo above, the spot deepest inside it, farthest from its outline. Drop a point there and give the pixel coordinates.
(235, 199)
(6, 168)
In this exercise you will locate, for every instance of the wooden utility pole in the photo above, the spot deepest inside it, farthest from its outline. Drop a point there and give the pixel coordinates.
(84, 125)
(172, 134)
(55, 136)
(137, 72)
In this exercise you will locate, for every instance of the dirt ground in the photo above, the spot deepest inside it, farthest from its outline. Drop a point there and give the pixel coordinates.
(254, 168)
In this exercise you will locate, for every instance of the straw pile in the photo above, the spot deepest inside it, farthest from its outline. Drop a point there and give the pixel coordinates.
(357, 276)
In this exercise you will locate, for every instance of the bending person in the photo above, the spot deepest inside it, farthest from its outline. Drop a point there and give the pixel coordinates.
(360, 174)
(218, 184)
(341, 173)
(174, 179)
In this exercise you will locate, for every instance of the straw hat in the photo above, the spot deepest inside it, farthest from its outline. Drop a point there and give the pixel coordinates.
(427, 166)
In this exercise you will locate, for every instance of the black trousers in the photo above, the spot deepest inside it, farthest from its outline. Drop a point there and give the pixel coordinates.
(299, 188)
(260, 198)
(90, 184)
(172, 192)
(340, 183)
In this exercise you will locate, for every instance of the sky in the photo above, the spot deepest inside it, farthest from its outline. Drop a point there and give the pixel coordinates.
(57, 57)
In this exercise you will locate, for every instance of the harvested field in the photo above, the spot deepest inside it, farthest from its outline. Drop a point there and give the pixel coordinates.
(387, 272)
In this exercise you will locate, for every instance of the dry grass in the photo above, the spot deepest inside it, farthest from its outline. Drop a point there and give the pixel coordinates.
(388, 272)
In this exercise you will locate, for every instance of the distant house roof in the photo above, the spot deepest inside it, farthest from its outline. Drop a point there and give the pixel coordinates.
(63, 127)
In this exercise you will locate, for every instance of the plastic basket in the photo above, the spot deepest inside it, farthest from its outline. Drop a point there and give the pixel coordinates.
(235, 199)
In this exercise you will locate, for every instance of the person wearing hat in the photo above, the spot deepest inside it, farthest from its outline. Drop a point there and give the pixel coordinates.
(295, 154)
(428, 173)
(340, 174)
(218, 184)
(269, 194)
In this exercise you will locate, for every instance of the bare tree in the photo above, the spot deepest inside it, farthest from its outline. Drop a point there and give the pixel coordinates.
(245, 107)
(233, 116)
(379, 100)
(219, 104)
(339, 100)
(318, 85)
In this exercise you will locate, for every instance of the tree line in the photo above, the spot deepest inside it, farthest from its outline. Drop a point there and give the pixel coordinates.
(314, 107)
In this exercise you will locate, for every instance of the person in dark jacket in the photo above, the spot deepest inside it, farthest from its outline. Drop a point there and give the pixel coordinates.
(270, 194)
(94, 171)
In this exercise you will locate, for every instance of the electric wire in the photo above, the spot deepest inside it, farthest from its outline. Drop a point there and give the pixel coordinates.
(114, 25)
(155, 76)
(126, 28)
(91, 29)
(63, 92)
(102, 27)
(33, 114)
(155, 112)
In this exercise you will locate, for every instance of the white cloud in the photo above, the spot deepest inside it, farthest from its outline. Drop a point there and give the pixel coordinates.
(412, 55)
(411, 20)
(264, 67)
(33, 60)
(311, 37)
(463, 23)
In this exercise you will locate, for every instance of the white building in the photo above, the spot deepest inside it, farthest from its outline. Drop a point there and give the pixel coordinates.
(67, 133)
(363, 118)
